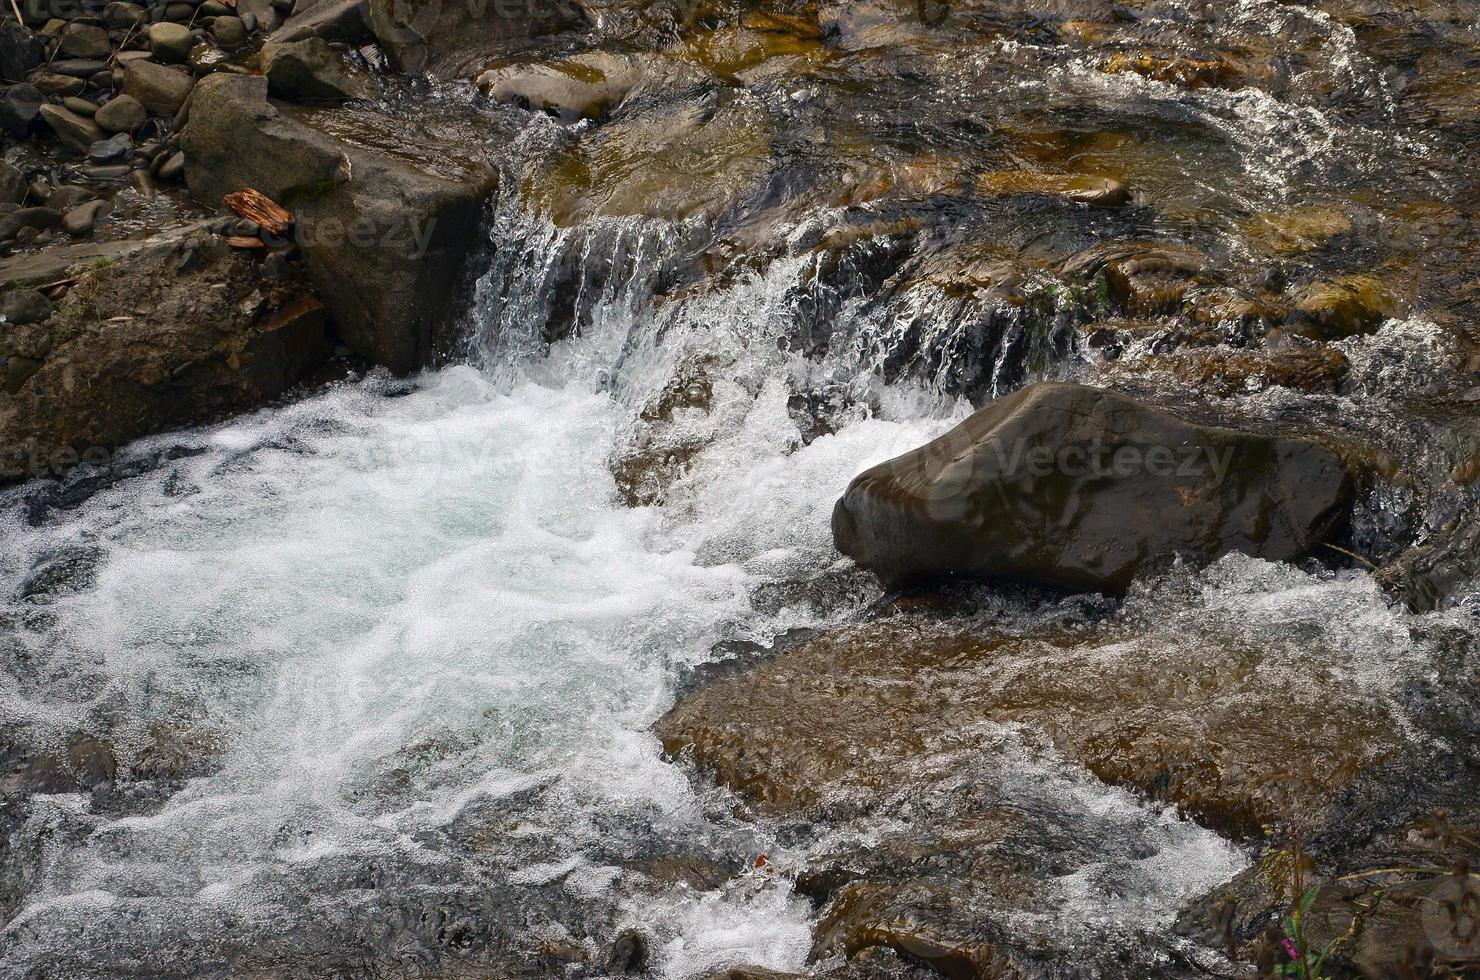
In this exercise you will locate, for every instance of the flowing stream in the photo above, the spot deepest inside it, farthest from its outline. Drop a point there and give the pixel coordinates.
(377, 669)
(417, 643)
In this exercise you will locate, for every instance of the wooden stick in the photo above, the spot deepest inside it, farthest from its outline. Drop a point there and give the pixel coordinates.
(256, 206)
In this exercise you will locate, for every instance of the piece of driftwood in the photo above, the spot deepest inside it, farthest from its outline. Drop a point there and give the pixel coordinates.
(256, 206)
(245, 241)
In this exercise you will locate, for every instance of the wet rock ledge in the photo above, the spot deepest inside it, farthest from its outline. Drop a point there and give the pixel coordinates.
(132, 304)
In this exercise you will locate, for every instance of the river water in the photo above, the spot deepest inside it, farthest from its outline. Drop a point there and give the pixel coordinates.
(417, 642)
(376, 670)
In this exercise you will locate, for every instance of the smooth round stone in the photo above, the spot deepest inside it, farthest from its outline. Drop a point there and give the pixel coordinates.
(170, 42)
(80, 106)
(81, 219)
(85, 41)
(229, 32)
(105, 171)
(78, 67)
(123, 114)
(113, 148)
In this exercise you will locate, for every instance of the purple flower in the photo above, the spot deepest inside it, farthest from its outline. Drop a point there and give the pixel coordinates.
(1290, 949)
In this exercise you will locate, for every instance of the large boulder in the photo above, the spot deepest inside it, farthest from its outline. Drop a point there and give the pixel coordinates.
(1081, 488)
(332, 20)
(452, 40)
(152, 334)
(383, 240)
(21, 52)
(311, 71)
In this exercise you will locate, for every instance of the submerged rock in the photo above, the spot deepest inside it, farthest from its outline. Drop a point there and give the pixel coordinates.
(1082, 488)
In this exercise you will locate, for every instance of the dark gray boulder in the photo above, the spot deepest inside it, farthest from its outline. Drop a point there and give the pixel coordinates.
(21, 52)
(1081, 488)
(454, 40)
(382, 239)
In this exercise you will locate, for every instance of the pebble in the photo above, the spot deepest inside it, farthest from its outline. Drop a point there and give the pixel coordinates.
(122, 114)
(50, 83)
(113, 148)
(80, 106)
(78, 67)
(110, 171)
(25, 306)
(80, 220)
(170, 42)
(85, 41)
(68, 196)
(173, 166)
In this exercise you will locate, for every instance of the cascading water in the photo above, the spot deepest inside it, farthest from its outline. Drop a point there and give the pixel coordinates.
(367, 681)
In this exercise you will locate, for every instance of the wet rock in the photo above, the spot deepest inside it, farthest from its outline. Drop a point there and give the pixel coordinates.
(170, 42)
(187, 351)
(176, 752)
(1221, 372)
(172, 167)
(68, 196)
(382, 240)
(38, 218)
(629, 953)
(1176, 69)
(750, 973)
(51, 83)
(1300, 230)
(78, 132)
(310, 70)
(1080, 189)
(21, 52)
(449, 40)
(25, 306)
(1030, 488)
(161, 90)
(81, 219)
(1141, 279)
(20, 107)
(12, 184)
(332, 20)
(926, 922)
(258, 14)
(229, 31)
(124, 16)
(121, 114)
(83, 68)
(688, 164)
(582, 87)
(107, 150)
(1187, 713)
(81, 40)
(1341, 308)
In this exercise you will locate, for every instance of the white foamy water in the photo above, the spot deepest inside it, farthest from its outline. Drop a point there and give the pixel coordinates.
(415, 643)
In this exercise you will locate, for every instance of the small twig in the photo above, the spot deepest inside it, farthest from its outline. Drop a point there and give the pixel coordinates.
(15, 6)
(1353, 555)
(1402, 871)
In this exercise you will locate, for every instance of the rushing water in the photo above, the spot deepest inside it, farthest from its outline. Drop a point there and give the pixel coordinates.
(377, 669)
(418, 643)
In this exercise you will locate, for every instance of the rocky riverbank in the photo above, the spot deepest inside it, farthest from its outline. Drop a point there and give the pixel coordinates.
(1030, 707)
